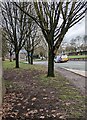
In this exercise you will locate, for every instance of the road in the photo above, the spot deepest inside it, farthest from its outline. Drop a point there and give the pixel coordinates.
(77, 65)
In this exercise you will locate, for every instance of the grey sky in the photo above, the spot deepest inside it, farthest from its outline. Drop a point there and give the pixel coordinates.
(77, 30)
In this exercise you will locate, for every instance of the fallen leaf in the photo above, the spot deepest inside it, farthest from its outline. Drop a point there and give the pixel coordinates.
(45, 98)
(19, 104)
(67, 104)
(61, 117)
(33, 99)
(26, 114)
(47, 111)
(42, 117)
(28, 109)
(44, 90)
(53, 111)
(53, 115)
(41, 110)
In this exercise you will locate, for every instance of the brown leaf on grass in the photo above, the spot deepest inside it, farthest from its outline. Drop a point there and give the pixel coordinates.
(52, 92)
(15, 113)
(33, 99)
(21, 98)
(53, 115)
(27, 114)
(45, 98)
(28, 109)
(19, 104)
(42, 117)
(59, 114)
(0, 113)
(25, 100)
(41, 110)
(32, 103)
(48, 115)
(47, 111)
(33, 111)
(12, 116)
(23, 107)
(44, 90)
(26, 103)
(67, 104)
(53, 111)
(62, 117)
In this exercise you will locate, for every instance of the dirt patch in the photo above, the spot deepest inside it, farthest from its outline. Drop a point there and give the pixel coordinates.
(27, 99)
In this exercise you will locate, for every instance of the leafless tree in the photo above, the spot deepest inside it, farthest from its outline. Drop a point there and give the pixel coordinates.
(8, 41)
(32, 38)
(32, 41)
(14, 22)
(55, 19)
(10, 50)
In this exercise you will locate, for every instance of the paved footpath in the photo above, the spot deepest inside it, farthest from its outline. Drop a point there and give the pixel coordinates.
(75, 77)
(79, 72)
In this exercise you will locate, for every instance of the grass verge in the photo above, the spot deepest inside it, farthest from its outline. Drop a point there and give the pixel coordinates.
(73, 102)
(78, 56)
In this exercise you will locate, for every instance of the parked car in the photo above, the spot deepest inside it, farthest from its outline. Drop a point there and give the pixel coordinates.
(61, 58)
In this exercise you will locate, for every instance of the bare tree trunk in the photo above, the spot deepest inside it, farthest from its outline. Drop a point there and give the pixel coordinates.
(32, 56)
(10, 57)
(17, 60)
(50, 62)
(3, 58)
(28, 53)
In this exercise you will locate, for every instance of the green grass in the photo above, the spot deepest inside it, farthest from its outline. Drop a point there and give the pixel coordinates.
(66, 92)
(78, 56)
(11, 65)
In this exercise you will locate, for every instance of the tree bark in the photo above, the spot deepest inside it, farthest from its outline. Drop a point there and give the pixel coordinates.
(32, 57)
(17, 60)
(3, 58)
(50, 62)
(10, 57)
(28, 53)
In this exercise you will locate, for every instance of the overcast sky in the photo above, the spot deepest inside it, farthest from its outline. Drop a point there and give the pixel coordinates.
(77, 30)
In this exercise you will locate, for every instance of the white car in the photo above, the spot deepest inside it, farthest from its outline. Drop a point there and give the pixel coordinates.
(61, 58)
